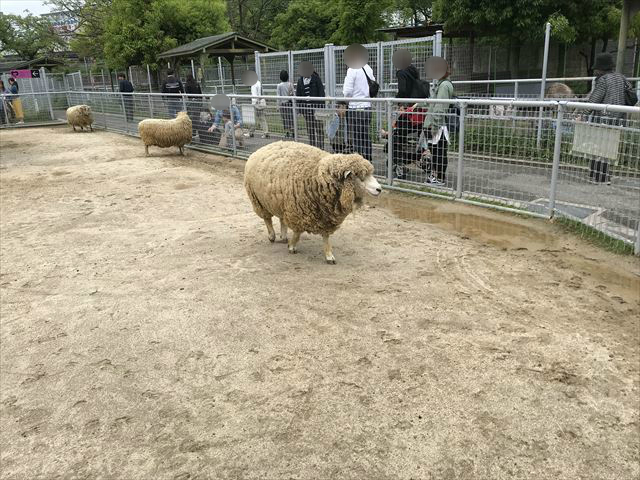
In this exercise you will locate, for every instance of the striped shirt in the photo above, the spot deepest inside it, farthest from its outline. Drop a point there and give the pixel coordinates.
(609, 89)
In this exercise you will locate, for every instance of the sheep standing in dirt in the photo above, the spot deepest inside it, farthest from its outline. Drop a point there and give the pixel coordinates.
(308, 189)
(166, 133)
(80, 116)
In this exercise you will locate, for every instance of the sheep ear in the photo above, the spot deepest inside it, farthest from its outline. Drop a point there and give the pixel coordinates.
(347, 173)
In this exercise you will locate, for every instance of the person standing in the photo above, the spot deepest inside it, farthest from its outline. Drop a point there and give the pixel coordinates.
(610, 88)
(356, 85)
(410, 85)
(435, 123)
(126, 88)
(311, 87)
(4, 107)
(285, 89)
(259, 108)
(194, 104)
(173, 85)
(16, 103)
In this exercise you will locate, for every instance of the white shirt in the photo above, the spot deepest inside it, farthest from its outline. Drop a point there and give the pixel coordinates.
(356, 86)
(256, 89)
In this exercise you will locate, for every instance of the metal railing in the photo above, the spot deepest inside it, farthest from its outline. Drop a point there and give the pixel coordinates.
(547, 158)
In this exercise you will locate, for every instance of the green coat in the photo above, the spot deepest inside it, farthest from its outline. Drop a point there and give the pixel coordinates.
(436, 111)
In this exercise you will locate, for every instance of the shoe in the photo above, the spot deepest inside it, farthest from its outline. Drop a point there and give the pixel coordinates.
(266, 135)
(432, 180)
(21, 122)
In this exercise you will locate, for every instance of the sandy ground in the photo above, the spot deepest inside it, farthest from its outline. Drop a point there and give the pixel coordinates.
(149, 330)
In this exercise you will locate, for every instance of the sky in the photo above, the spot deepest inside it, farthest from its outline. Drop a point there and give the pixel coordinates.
(17, 7)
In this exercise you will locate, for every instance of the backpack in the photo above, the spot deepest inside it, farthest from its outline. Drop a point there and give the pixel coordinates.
(374, 87)
(453, 114)
(630, 97)
(420, 89)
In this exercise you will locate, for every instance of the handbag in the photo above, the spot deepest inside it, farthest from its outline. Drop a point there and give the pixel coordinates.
(374, 87)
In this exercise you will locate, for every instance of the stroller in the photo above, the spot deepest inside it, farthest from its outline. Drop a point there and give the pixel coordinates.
(406, 140)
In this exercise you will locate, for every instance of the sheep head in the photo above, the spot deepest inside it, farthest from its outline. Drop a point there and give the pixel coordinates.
(355, 174)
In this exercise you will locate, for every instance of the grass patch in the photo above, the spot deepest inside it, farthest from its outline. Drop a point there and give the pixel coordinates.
(593, 236)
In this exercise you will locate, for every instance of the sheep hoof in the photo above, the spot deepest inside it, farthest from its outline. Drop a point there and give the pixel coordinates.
(293, 250)
(331, 260)
(272, 237)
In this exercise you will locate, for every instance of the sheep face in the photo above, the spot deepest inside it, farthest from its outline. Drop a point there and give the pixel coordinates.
(85, 110)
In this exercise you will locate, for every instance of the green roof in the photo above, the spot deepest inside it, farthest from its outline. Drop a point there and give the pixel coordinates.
(225, 44)
(6, 66)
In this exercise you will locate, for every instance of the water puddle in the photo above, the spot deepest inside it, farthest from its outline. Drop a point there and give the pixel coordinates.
(501, 233)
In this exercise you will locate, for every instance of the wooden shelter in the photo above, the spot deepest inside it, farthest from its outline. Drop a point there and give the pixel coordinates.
(227, 45)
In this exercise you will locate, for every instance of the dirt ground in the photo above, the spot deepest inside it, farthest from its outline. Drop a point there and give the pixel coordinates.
(149, 330)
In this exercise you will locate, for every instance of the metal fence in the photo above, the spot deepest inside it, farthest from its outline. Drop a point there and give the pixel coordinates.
(571, 160)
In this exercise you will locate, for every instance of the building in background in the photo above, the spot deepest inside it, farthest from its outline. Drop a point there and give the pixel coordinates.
(63, 24)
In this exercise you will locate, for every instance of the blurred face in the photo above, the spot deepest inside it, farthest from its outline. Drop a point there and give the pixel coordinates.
(341, 110)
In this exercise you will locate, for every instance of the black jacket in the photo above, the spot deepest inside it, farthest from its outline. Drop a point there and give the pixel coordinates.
(410, 85)
(125, 86)
(172, 85)
(316, 90)
(193, 88)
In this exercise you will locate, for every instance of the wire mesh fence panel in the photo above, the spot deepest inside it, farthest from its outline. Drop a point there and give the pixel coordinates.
(28, 108)
(420, 49)
(599, 174)
(317, 59)
(341, 67)
(271, 64)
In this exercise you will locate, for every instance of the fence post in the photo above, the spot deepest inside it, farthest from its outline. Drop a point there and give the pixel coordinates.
(124, 114)
(636, 247)
(463, 110)
(329, 77)
(257, 67)
(43, 75)
(295, 120)
(437, 44)
(104, 115)
(290, 64)
(379, 74)
(193, 69)
(389, 145)
(80, 77)
(556, 160)
(220, 73)
(547, 35)
(233, 131)
(515, 90)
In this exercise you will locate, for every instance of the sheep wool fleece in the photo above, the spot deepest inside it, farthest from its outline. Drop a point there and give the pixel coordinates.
(166, 133)
(306, 187)
(80, 116)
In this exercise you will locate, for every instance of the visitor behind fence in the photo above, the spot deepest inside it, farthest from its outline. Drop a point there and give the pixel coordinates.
(194, 104)
(285, 89)
(410, 85)
(311, 87)
(126, 88)
(259, 108)
(219, 125)
(16, 103)
(172, 84)
(356, 85)
(5, 107)
(337, 130)
(435, 128)
(611, 88)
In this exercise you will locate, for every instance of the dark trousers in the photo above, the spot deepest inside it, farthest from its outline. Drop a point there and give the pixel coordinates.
(439, 158)
(174, 105)
(314, 127)
(599, 171)
(128, 107)
(359, 127)
(286, 113)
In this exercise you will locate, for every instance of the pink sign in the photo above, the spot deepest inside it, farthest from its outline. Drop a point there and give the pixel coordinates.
(21, 73)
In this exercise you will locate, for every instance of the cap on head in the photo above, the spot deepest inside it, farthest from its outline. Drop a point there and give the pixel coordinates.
(604, 62)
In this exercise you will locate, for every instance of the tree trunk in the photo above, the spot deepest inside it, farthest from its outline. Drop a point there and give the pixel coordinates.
(514, 58)
(562, 54)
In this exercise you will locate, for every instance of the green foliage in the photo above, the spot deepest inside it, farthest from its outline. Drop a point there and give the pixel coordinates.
(359, 21)
(305, 24)
(409, 12)
(255, 18)
(593, 236)
(137, 30)
(28, 36)
(561, 28)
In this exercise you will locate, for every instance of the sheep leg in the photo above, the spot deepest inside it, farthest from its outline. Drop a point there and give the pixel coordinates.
(146, 150)
(272, 232)
(293, 242)
(181, 152)
(91, 127)
(327, 250)
(74, 128)
(283, 231)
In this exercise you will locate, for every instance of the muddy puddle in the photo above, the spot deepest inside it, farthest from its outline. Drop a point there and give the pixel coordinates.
(504, 234)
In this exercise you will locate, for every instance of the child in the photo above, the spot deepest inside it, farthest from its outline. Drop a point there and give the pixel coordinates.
(337, 130)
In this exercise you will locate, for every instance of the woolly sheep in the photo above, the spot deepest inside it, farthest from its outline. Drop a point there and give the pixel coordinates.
(80, 116)
(308, 189)
(166, 133)
(558, 90)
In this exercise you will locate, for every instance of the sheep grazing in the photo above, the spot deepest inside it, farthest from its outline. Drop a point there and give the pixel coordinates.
(80, 116)
(308, 189)
(166, 133)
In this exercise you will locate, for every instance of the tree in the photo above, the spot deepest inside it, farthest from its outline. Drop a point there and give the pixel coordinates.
(28, 36)
(305, 24)
(137, 30)
(409, 12)
(359, 21)
(255, 18)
